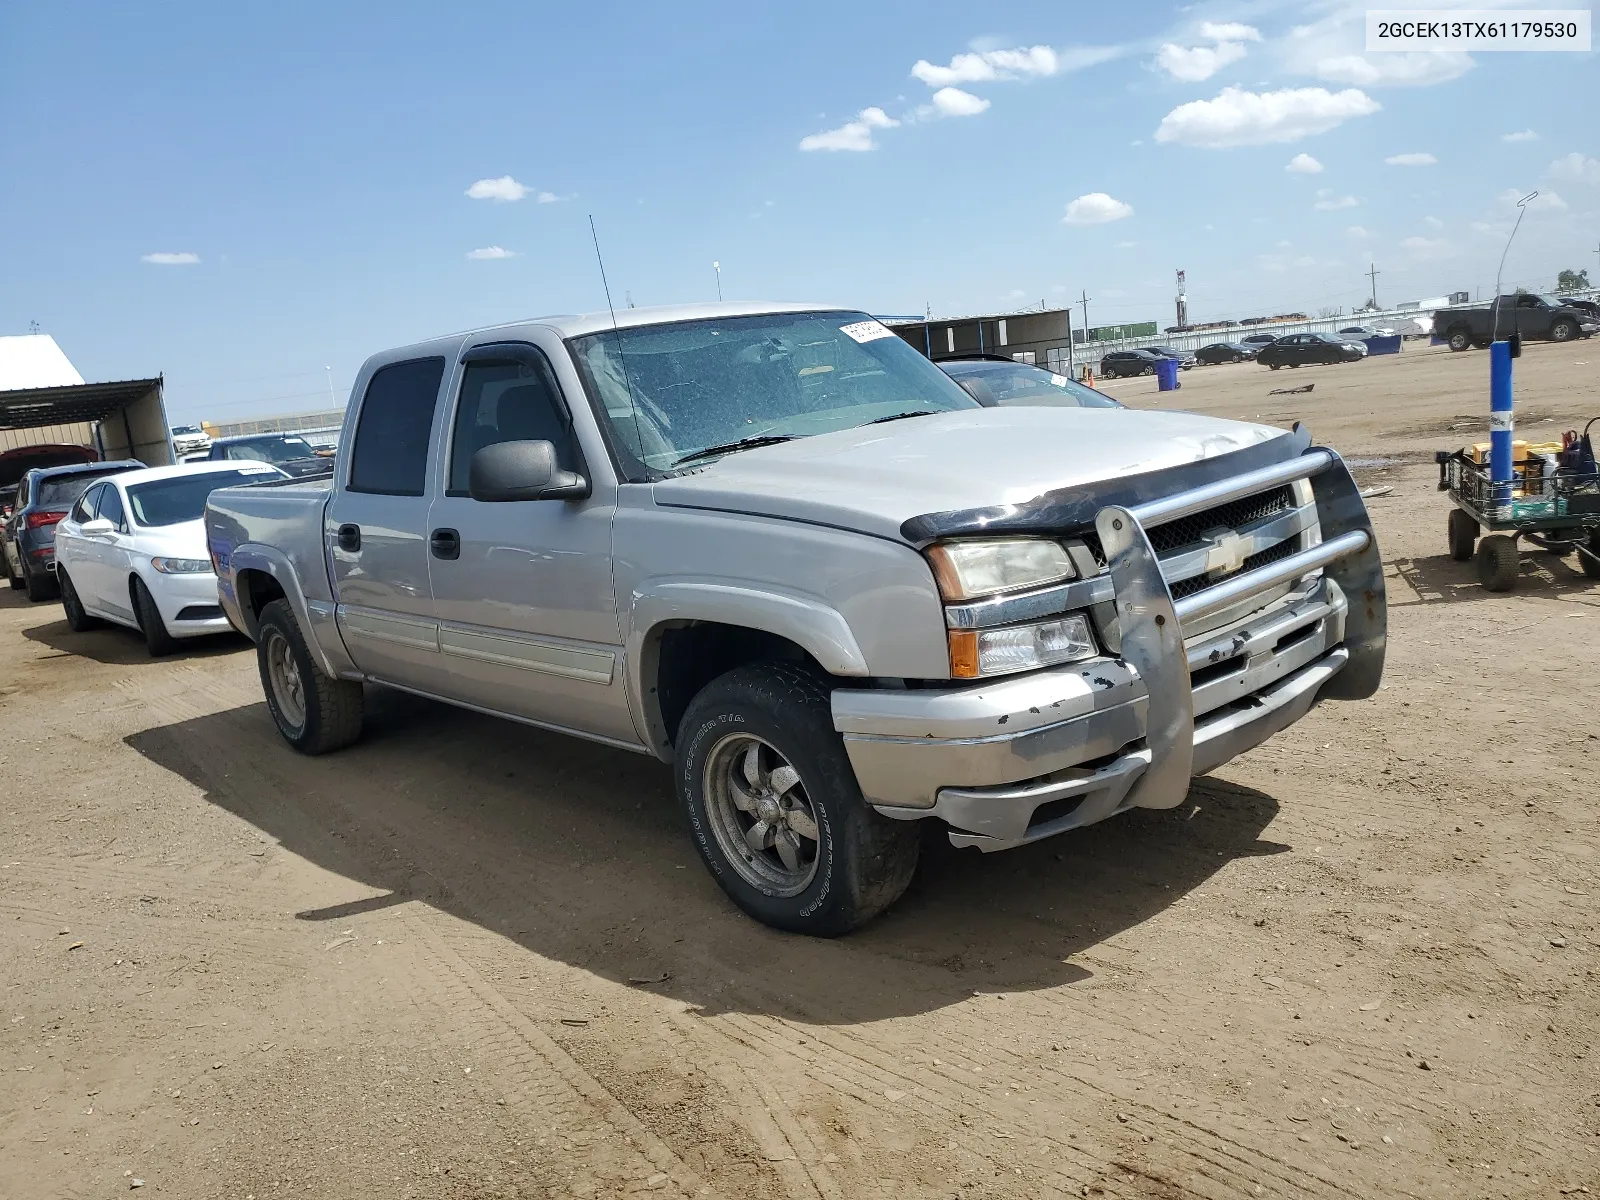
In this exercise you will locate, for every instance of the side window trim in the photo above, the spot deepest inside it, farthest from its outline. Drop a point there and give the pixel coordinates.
(525, 354)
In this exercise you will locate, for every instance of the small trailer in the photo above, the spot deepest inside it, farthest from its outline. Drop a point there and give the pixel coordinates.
(1552, 499)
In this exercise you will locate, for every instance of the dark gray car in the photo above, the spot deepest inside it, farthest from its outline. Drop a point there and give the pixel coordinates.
(28, 535)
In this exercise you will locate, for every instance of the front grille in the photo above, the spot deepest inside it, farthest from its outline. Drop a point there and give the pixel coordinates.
(1200, 583)
(1187, 531)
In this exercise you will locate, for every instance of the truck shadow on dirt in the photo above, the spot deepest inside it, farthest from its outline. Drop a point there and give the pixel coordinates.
(119, 646)
(578, 853)
(1440, 579)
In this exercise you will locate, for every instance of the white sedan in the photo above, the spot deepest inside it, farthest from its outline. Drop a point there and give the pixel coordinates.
(133, 551)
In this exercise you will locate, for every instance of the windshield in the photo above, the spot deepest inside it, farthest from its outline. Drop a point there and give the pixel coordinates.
(1000, 385)
(670, 390)
(185, 429)
(182, 498)
(58, 493)
(272, 450)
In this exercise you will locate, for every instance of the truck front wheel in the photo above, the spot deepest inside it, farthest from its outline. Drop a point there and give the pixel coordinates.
(313, 712)
(1563, 330)
(774, 808)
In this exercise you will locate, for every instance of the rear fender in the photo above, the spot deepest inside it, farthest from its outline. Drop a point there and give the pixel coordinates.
(316, 617)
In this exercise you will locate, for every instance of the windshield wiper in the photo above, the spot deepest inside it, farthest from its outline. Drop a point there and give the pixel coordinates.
(748, 443)
(902, 416)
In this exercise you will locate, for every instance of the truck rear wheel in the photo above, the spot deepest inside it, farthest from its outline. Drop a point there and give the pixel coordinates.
(313, 712)
(1463, 535)
(1497, 563)
(1460, 339)
(775, 810)
(1591, 562)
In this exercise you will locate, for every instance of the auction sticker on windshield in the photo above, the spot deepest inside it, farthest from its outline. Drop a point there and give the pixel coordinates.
(866, 331)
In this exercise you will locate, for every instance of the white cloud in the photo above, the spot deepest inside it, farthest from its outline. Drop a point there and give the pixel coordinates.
(1525, 135)
(489, 252)
(1577, 167)
(1096, 208)
(1422, 159)
(502, 190)
(953, 102)
(1126, 245)
(1357, 232)
(165, 258)
(1191, 64)
(1422, 247)
(852, 135)
(1433, 222)
(1240, 118)
(1334, 203)
(1303, 164)
(1547, 200)
(1229, 31)
(1393, 69)
(987, 65)
(547, 197)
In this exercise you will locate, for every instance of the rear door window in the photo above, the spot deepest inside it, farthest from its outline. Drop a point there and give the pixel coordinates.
(390, 454)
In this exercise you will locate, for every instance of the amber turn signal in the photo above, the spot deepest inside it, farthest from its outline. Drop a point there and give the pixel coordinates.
(963, 653)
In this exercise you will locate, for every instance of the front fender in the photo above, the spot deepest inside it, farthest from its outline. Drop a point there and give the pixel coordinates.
(316, 617)
(820, 630)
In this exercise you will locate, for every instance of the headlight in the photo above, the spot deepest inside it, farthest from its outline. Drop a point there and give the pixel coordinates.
(964, 570)
(180, 566)
(978, 653)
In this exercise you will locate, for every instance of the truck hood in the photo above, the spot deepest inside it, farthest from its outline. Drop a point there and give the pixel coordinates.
(876, 478)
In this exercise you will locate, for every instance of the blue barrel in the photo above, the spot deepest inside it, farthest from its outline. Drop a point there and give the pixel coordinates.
(1167, 375)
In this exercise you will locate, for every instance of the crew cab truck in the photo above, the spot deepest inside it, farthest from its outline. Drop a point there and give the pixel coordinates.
(778, 549)
(1527, 314)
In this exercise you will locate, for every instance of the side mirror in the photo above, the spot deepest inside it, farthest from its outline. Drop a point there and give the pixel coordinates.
(509, 471)
(99, 527)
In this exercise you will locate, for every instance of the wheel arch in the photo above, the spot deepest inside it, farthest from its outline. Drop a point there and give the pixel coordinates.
(255, 576)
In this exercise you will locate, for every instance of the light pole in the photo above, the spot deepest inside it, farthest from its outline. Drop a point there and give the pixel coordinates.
(332, 398)
(717, 267)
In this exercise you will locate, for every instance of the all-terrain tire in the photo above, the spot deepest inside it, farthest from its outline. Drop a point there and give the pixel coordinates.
(1459, 339)
(1463, 532)
(156, 638)
(78, 619)
(333, 708)
(1497, 563)
(864, 862)
(1591, 562)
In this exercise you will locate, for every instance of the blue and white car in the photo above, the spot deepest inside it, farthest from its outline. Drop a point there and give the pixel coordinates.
(132, 551)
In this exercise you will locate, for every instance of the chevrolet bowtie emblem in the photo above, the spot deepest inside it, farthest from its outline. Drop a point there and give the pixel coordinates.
(1226, 552)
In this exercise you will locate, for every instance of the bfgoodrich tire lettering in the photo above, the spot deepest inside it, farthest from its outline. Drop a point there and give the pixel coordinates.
(863, 862)
(313, 712)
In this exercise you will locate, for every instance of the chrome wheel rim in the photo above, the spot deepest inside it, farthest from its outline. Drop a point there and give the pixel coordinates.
(288, 689)
(764, 823)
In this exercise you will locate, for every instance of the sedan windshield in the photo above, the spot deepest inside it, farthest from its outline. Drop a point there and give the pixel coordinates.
(181, 498)
(1001, 385)
(273, 450)
(669, 391)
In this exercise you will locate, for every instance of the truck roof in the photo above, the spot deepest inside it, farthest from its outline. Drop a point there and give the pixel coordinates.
(568, 325)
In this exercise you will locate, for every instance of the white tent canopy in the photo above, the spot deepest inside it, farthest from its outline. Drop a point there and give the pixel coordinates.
(33, 360)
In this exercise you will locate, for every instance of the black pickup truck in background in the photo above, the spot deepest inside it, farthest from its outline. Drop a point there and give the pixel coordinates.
(1534, 317)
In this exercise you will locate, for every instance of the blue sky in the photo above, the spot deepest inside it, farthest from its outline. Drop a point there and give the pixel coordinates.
(300, 174)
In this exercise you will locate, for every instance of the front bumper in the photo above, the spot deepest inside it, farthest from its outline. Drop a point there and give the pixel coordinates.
(1021, 758)
(188, 603)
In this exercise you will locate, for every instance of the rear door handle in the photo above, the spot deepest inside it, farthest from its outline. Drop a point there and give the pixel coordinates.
(350, 538)
(445, 543)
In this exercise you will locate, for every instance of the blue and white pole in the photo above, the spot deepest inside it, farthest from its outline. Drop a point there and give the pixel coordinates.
(1501, 468)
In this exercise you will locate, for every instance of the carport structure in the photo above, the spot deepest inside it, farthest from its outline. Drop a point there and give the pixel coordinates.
(123, 419)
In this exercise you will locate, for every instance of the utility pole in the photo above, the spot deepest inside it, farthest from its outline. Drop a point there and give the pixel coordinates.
(717, 267)
(1374, 273)
(332, 399)
(1085, 303)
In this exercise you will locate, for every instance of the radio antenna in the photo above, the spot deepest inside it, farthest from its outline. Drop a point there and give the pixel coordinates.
(622, 357)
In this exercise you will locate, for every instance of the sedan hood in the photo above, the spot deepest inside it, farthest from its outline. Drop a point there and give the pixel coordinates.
(187, 539)
(877, 477)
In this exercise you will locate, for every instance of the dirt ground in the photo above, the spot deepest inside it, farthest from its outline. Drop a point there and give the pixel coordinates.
(468, 959)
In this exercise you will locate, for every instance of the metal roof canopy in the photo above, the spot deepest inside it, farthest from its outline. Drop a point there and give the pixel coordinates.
(26, 408)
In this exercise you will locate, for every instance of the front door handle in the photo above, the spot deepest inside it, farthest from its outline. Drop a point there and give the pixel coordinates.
(445, 543)
(350, 538)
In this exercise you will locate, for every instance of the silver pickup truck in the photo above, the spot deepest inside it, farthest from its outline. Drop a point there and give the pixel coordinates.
(777, 548)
